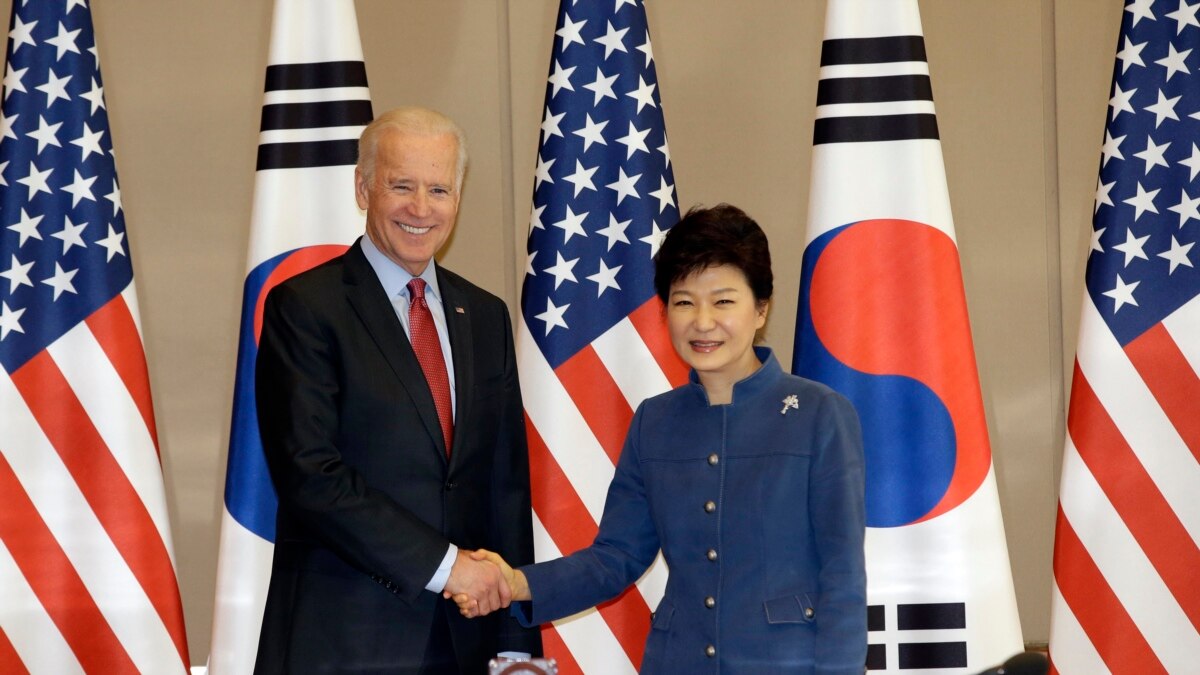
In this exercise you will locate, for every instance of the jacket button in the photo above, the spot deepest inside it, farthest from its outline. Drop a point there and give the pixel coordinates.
(710, 602)
(712, 554)
(808, 612)
(451, 485)
(713, 459)
(710, 651)
(710, 506)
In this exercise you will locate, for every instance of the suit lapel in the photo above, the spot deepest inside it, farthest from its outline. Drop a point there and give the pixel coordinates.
(458, 323)
(375, 310)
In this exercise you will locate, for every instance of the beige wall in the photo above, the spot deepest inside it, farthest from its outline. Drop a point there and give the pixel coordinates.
(1020, 88)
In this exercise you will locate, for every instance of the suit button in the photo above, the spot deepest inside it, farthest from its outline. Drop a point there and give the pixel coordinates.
(710, 506)
(710, 602)
(712, 554)
(451, 485)
(808, 612)
(713, 459)
(710, 651)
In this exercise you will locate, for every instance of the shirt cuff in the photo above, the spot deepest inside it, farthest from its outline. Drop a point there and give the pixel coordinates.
(437, 584)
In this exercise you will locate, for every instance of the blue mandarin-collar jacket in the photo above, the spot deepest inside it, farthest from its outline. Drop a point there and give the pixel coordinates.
(758, 509)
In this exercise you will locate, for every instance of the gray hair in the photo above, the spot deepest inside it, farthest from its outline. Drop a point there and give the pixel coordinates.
(414, 120)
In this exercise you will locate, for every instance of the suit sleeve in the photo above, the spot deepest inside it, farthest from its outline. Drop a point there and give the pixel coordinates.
(297, 392)
(836, 501)
(511, 509)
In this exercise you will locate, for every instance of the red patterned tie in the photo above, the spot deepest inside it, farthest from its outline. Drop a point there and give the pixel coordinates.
(424, 337)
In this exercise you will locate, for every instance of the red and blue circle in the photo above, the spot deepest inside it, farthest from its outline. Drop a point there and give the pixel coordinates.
(249, 495)
(883, 320)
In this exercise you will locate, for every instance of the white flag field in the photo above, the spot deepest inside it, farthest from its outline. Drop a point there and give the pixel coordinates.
(883, 319)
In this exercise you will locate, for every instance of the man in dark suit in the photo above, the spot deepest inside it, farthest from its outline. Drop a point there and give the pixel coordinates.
(392, 422)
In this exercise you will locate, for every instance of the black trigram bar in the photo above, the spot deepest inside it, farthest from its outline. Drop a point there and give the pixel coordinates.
(932, 616)
(920, 655)
(316, 75)
(876, 654)
(307, 154)
(876, 657)
(875, 618)
(874, 128)
(316, 115)
(891, 49)
(874, 89)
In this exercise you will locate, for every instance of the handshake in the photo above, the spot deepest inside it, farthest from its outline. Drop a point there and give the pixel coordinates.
(481, 582)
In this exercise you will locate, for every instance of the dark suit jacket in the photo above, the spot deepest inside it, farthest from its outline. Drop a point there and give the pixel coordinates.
(368, 501)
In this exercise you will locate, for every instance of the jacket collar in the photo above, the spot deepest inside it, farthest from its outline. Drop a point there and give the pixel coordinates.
(757, 382)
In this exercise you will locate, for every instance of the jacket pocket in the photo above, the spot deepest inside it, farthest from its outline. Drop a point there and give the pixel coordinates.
(796, 608)
(661, 618)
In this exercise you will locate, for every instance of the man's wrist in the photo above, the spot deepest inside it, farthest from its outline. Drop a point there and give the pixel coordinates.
(437, 583)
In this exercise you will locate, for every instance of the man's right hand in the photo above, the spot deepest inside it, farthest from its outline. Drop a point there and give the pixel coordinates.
(517, 584)
(480, 580)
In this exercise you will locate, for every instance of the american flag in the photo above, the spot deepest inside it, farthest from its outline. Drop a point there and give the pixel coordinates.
(591, 343)
(1126, 595)
(315, 106)
(87, 574)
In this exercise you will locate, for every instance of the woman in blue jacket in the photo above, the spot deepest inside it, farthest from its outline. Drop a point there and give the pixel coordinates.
(750, 481)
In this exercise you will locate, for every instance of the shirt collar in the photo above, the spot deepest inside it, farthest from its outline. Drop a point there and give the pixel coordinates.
(394, 277)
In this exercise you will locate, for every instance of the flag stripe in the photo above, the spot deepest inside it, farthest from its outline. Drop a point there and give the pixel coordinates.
(875, 109)
(71, 522)
(1116, 637)
(874, 128)
(555, 501)
(562, 427)
(10, 661)
(873, 49)
(1139, 419)
(316, 75)
(310, 135)
(1171, 380)
(117, 333)
(105, 487)
(630, 363)
(598, 399)
(552, 643)
(28, 625)
(1120, 559)
(569, 526)
(586, 635)
(651, 326)
(629, 618)
(339, 93)
(110, 408)
(307, 155)
(874, 69)
(29, 628)
(1183, 327)
(876, 89)
(1150, 519)
(315, 115)
(1070, 649)
(55, 581)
